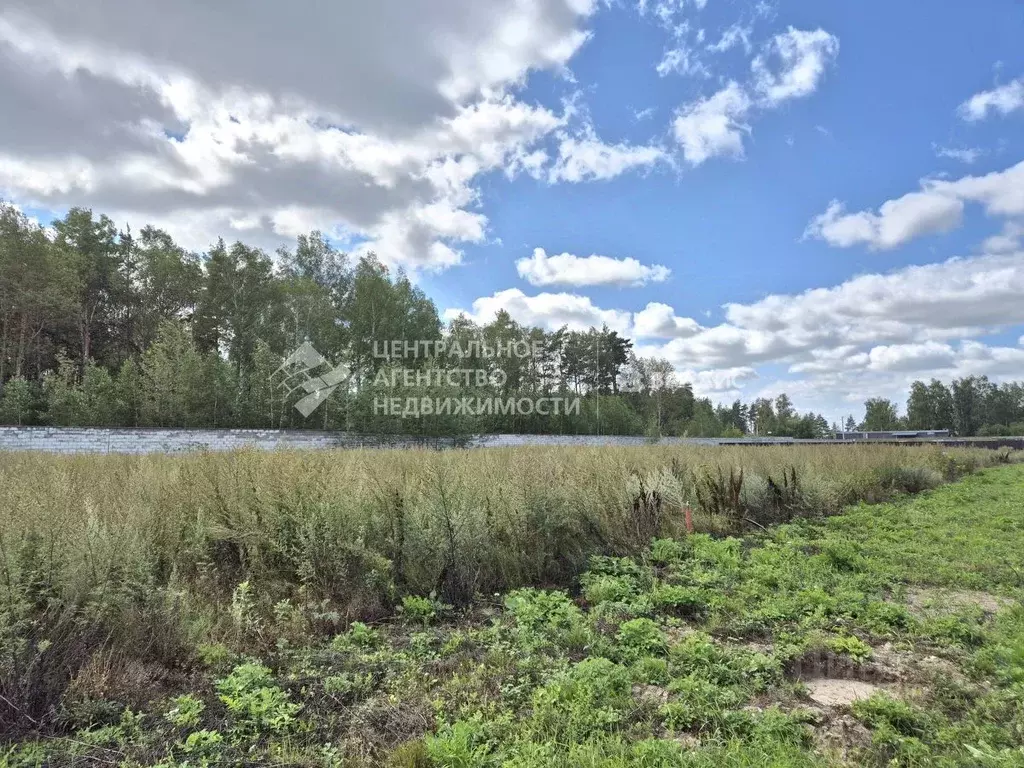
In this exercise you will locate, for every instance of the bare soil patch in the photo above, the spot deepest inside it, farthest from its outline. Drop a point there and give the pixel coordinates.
(820, 664)
(842, 737)
(829, 692)
(926, 600)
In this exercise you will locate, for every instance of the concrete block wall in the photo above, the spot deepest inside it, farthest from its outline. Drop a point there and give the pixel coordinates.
(138, 441)
(115, 440)
(118, 440)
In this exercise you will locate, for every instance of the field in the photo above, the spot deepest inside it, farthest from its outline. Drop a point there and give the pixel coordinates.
(838, 605)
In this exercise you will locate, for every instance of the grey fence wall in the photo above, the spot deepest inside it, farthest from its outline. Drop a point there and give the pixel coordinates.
(113, 440)
(119, 440)
(116, 440)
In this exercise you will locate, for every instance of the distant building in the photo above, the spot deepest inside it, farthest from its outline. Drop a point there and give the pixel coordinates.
(902, 434)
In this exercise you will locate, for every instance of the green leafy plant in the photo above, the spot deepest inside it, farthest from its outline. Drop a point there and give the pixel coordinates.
(349, 686)
(546, 616)
(678, 601)
(850, 646)
(186, 711)
(255, 702)
(640, 637)
(421, 610)
(667, 551)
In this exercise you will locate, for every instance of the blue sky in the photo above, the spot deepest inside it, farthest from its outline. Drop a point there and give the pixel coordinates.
(766, 194)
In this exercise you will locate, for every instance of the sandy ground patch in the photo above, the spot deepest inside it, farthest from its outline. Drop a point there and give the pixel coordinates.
(829, 692)
(931, 600)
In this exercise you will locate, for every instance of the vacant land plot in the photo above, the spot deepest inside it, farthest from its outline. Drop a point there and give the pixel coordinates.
(340, 609)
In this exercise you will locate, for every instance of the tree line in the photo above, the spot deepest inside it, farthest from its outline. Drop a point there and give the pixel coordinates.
(969, 406)
(102, 326)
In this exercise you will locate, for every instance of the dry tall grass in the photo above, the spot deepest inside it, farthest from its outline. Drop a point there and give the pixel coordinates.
(146, 554)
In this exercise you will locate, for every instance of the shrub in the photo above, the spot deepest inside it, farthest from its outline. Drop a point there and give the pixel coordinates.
(667, 551)
(699, 705)
(421, 610)
(850, 646)
(640, 637)
(359, 635)
(882, 710)
(186, 711)
(650, 671)
(255, 702)
(348, 686)
(591, 697)
(678, 601)
(460, 745)
(544, 616)
(598, 588)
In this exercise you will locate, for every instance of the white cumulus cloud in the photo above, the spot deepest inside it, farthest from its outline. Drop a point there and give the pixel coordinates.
(713, 126)
(790, 66)
(587, 158)
(896, 223)
(1003, 99)
(375, 132)
(550, 311)
(543, 270)
(937, 208)
(802, 56)
(659, 321)
(929, 356)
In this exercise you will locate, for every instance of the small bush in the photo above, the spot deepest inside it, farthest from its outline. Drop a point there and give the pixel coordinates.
(348, 686)
(420, 610)
(186, 711)
(881, 710)
(667, 551)
(699, 705)
(359, 635)
(545, 616)
(640, 637)
(599, 589)
(851, 646)
(678, 601)
(591, 697)
(650, 671)
(255, 702)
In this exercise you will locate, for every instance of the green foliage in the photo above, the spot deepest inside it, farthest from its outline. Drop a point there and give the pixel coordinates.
(128, 730)
(186, 711)
(851, 646)
(881, 415)
(348, 686)
(16, 401)
(611, 579)
(359, 635)
(545, 616)
(203, 745)
(650, 671)
(955, 630)
(255, 702)
(591, 697)
(1003, 657)
(700, 704)
(675, 600)
(420, 610)
(599, 588)
(216, 656)
(668, 551)
(550, 681)
(881, 709)
(460, 745)
(640, 637)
